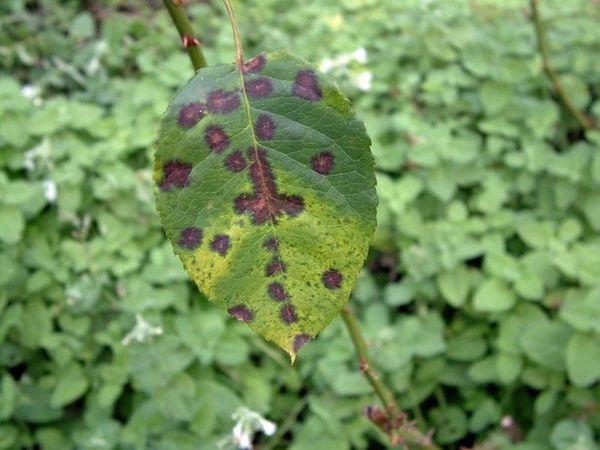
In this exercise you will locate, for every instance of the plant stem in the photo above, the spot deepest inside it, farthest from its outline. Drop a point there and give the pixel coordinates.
(353, 326)
(184, 27)
(408, 434)
(540, 33)
(239, 54)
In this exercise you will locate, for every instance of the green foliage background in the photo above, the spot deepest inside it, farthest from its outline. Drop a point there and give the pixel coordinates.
(482, 294)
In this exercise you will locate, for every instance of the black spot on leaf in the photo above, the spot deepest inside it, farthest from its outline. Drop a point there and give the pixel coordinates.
(236, 162)
(264, 127)
(323, 162)
(241, 313)
(299, 341)
(332, 279)
(220, 244)
(216, 138)
(190, 238)
(222, 102)
(288, 313)
(277, 292)
(258, 88)
(306, 86)
(254, 65)
(190, 114)
(271, 244)
(175, 174)
(275, 266)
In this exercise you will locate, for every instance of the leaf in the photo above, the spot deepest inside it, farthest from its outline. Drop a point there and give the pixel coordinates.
(583, 359)
(582, 311)
(71, 385)
(545, 343)
(493, 295)
(571, 434)
(11, 224)
(265, 188)
(454, 285)
(451, 424)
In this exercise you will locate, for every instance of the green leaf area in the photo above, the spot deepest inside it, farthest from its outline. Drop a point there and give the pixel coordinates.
(265, 187)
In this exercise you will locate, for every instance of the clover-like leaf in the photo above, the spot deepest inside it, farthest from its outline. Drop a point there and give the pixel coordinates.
(265, 187)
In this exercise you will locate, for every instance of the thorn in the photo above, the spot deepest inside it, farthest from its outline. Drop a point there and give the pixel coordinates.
(189, 40)
(428, 438)
(376, 415)
(363, 365)
(400, 419)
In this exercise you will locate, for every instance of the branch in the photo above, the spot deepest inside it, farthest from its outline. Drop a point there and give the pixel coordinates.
(184, 27)
(392, 421)
(540, 33)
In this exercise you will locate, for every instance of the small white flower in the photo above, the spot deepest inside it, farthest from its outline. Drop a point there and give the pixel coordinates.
(360, 55)
(326, 65)
(363, 80)
(93, 65)
(38, 156)
(32, 93)
(29, 91)
(268, 427)
(248, 423)
(49, 190)
(141, 331)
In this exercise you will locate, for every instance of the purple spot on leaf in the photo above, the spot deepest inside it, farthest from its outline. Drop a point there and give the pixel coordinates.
(271, 244)
(216, 138)
(190, 114)
(236, 162)
(190, 238)
(175, 174)
(241, 313)
(306, 86)
(323, 163)
(254, 65)
(222, 102)
(258, 88)
(277, 292)
(288, 314)
(299, 341)
(276, 266)
(266, 203)
(264, 127)
(332, 279)
(220, 244)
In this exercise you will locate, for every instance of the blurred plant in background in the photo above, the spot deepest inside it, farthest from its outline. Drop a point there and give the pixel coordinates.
(481, 300)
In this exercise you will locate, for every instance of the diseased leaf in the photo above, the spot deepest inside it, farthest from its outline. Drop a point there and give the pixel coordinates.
(265, 187)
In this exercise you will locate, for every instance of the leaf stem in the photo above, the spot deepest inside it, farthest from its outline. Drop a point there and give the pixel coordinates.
(239, 53)
(184, 27)
(540, 33)
(401, 432)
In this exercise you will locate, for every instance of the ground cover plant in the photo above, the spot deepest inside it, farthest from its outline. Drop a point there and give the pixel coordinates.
(479, 300)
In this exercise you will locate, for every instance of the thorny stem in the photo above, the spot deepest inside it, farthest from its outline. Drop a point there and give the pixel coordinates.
(407, 433)
(386, 396)
(540, 33)
(239, 53)
(184, 27)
